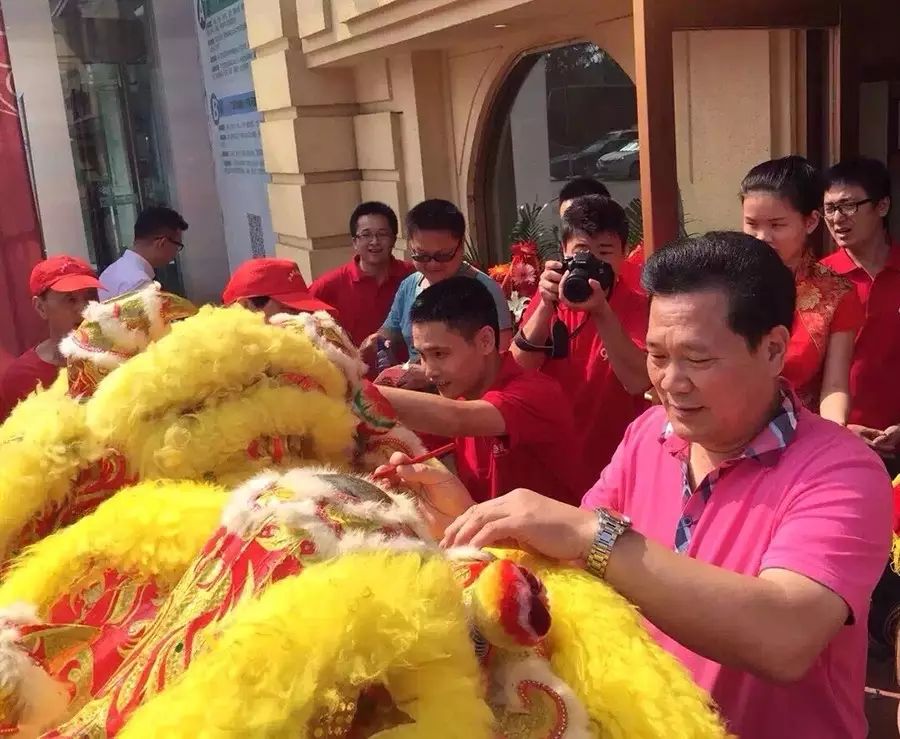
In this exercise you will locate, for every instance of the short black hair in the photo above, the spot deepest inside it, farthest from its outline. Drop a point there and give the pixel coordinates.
(436, 215)
(760, 288)
(374, 208)
(869, 174)
(156, 220)
(792, 178)
(580, 187)
(594, 214)
(462, 303)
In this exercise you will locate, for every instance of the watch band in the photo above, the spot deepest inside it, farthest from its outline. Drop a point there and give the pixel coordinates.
(526, 346)
(611, 527)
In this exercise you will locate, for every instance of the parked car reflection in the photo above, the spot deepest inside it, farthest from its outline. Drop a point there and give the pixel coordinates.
(623, 164)
(583, 163)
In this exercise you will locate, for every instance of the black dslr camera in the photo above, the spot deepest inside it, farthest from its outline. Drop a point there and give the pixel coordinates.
(583, 267)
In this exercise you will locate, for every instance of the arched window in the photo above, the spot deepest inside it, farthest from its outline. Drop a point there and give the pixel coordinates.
(563, 113)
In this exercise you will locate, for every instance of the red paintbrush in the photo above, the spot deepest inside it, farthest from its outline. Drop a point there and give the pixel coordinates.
(439, 452)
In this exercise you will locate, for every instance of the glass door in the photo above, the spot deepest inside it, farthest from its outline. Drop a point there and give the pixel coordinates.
(107, 72)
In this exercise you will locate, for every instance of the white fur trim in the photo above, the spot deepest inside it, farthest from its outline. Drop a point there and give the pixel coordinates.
(38, 702)
(235, 515)
(468, 553)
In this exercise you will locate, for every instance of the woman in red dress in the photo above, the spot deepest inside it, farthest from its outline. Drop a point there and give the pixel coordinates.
(781, 201)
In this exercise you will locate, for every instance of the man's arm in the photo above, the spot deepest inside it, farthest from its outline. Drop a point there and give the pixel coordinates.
(433, 414)
(820, 567)
(834, 400)
(536, 327)
(628, 360)
(391, 329)
(774, 625)
(536, 331)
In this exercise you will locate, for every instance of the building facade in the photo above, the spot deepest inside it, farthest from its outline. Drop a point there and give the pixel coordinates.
(490, 103)
(128, 103)
(399, 100)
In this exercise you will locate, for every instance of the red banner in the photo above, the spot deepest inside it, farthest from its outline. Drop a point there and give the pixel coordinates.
(20, 235)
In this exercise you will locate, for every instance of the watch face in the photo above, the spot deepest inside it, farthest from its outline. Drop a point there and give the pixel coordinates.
(615, 516)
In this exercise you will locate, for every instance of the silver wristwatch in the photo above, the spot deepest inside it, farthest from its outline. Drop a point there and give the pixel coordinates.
(611, 527)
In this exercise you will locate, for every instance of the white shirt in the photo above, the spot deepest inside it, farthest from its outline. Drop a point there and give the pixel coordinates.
(129, 272)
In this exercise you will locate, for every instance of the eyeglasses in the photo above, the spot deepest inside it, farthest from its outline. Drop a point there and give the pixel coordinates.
(847, 209)
(441, 257)
(367, 236)
(178, 244)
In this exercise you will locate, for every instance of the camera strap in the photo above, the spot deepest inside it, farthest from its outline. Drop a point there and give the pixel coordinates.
(557, 346)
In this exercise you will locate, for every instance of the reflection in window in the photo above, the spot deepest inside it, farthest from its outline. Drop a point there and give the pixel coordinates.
(107, 65)
(565, 113)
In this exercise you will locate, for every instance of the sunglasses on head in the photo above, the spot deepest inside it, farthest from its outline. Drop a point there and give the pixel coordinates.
(441, 257)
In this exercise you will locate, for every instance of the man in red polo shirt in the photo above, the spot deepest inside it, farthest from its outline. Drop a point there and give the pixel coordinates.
(513, 427)
(363, 290)
(581, 186)
(271, 286)
(857, 203)
(604, 372)
(61, 287)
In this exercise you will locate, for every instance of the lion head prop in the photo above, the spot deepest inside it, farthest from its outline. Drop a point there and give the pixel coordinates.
(312, 600)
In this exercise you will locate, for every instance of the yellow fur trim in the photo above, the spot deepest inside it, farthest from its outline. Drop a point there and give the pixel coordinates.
(21, 420)
(216, 353)
(153, 530)
(42, 446)
(276, 663)
(214, 441)
(631, 687)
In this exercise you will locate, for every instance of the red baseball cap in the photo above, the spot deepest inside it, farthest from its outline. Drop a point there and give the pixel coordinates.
(62, 274)
(274, 278)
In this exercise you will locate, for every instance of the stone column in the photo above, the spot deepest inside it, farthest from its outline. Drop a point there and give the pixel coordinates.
(308, 140)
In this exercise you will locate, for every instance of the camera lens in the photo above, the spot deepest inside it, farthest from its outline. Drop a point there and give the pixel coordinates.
(577, 287)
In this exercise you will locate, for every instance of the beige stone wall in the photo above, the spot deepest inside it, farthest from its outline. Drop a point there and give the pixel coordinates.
(366, 99)
(736, 104)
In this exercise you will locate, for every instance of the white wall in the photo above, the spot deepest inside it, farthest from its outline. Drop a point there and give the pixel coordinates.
(204, 261)
(530, 142)
(32, 49)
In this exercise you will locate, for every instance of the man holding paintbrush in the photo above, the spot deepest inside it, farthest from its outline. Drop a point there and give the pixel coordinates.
(512, 427)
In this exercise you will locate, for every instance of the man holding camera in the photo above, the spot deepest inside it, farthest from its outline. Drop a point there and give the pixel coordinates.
(587, 329)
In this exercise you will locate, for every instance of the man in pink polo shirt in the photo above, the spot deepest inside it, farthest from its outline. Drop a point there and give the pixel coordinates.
(748, 531)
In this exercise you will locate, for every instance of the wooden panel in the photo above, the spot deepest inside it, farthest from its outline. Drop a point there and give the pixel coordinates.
(656, 122)
(711, 14)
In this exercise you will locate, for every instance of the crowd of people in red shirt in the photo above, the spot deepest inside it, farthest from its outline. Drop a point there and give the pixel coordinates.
(745, 341)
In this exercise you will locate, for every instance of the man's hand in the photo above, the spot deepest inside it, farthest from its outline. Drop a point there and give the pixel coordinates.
(865, 433)
(596, 305)
(409, 376)
(546, 526)
(888, 442)
(368, 343)
(548, 285)
(440, 495)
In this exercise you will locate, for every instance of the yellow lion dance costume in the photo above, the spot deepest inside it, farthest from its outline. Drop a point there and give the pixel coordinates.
(142, 599)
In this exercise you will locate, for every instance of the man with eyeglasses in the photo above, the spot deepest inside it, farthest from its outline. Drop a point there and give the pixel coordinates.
(363, 289)
(158, 238)
(857, 203)
(436, 230)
